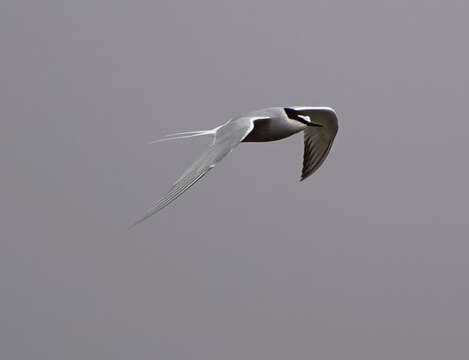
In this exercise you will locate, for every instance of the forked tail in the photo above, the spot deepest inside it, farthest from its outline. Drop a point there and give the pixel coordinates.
(185, 135)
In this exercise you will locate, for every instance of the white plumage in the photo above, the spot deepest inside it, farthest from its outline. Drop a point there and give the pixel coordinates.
(319, 125)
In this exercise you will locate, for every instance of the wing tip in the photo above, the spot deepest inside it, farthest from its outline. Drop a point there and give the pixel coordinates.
(305, 175)
(149, 214)
(134, 224)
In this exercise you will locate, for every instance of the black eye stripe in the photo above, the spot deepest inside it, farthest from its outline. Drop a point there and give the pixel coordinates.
(293, 114)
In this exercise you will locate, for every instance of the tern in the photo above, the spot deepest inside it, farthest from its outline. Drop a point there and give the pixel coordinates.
(319, 125)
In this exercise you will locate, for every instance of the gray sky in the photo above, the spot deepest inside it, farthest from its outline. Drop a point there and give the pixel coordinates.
(368, 259)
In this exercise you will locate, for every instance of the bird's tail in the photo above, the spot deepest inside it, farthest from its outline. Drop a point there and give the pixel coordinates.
(185, 135)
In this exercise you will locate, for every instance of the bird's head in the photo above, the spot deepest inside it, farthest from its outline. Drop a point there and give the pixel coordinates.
(313, 116)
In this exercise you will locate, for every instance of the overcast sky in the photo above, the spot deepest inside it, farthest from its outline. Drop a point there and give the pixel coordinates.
(367, 259)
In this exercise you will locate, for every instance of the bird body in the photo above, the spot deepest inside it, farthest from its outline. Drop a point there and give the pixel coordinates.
(273, 124)
(319, 125)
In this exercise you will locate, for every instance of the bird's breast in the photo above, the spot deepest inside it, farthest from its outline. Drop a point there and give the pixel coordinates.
(271, 130)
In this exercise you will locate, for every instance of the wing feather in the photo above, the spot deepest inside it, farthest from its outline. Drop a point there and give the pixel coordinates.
(317, 144)
(226, 139)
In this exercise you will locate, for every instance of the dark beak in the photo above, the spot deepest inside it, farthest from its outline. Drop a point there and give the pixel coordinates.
(313, 124)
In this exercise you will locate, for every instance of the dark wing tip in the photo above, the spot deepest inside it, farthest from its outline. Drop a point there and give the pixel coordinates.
(315, 152)
(304, 175)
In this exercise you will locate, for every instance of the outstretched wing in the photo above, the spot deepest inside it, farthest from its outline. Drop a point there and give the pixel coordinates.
(317, 143)
(227, 137)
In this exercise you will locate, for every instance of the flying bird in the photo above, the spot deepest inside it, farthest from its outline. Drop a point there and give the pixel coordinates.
(319, 125)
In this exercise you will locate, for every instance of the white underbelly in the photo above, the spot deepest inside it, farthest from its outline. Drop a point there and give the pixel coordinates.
(271, 130)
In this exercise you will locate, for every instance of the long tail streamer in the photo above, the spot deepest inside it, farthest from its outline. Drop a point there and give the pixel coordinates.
(183, 135)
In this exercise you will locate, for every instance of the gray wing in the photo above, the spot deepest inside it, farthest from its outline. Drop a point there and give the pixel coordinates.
(317, 143)
(227, 137)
